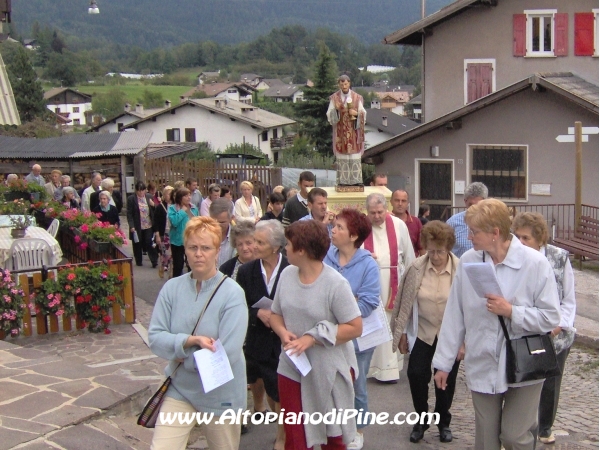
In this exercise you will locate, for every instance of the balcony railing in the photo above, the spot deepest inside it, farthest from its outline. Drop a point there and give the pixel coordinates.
(283, 142)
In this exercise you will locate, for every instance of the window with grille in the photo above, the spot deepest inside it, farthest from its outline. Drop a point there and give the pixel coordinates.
(503, 169)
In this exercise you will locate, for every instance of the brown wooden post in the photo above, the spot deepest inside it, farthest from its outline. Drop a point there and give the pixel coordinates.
(578, 171)
(128, 298)
(24, 283)
(578, 176)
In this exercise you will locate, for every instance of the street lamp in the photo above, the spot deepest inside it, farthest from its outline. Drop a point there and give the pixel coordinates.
(93, 9)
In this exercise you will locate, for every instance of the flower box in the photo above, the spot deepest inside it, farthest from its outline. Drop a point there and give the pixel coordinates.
(99, 247)
(10, 196)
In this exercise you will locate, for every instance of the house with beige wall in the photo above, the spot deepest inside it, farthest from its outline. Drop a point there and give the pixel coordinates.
(495, 97)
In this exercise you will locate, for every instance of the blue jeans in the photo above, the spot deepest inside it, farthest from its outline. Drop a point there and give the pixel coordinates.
(361, 398)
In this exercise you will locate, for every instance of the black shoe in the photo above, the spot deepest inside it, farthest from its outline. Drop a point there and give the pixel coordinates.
(388, 381)
(417, 433)
(245, 429)
(445, 434)
(154, 265)
(139, 264)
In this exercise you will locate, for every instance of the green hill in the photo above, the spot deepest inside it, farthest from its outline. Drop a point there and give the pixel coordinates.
(159, 23)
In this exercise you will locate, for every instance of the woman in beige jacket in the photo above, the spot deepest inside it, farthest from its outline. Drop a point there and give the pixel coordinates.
(417, 318)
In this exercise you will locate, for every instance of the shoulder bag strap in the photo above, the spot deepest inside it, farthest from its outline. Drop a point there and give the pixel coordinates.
(202, 314)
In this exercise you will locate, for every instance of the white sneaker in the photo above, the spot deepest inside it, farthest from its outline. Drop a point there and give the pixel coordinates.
(357, 443)
(548, 440)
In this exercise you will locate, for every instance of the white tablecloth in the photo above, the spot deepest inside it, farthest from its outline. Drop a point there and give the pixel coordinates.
(6, 241)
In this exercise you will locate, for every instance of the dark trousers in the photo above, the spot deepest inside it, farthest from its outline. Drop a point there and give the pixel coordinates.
(178, 254)
(419, 376)
(549, 397)
(145, 244)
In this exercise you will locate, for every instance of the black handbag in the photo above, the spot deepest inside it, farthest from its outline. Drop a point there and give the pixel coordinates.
(149, 414)
(529, 357)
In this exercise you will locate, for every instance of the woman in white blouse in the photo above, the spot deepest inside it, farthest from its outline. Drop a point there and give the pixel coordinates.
(505, 414)
(247, 207)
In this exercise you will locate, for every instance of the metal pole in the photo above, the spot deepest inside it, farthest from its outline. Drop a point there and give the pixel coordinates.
(578, 171)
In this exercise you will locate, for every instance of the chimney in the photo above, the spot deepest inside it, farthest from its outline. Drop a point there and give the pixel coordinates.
(139, 108)
(375, 104)
(250, 113)
(167, 103)
(384, 120)
(127, 107)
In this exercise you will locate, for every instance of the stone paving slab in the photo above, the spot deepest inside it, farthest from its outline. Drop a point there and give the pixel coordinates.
(81, 437)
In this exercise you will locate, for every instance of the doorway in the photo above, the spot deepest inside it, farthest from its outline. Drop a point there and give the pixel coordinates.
(435, 186)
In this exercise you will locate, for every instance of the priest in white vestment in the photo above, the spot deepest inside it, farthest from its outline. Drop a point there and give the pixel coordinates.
(391, 246)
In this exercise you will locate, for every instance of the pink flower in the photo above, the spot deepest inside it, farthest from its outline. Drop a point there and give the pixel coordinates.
(84, 228)
(77, 239)
(71, 277)
(60, 312)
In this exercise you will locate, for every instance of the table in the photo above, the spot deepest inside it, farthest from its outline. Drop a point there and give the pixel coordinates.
(6, 241)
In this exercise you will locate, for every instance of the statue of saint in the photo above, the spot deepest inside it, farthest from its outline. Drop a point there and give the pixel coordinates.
(347, 115)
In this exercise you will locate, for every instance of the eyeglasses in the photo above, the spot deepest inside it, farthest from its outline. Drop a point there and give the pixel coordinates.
(437, 252)
(204, 249)
(473, 232)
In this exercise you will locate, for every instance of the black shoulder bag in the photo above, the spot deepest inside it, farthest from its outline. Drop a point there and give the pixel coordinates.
(529, 357)
(149, 414)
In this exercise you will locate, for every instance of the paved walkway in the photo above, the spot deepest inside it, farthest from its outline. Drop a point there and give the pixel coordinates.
(82, 391)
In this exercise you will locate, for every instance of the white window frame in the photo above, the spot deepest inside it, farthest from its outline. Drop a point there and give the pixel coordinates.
(525, 147)
(491, 61)
(596, 35)
(531, 13)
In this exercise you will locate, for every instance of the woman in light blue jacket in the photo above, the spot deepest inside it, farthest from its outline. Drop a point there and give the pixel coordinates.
(356, 265)
(179, 213)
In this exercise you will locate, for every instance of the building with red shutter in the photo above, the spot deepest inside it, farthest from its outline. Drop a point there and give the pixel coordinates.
(501, 79)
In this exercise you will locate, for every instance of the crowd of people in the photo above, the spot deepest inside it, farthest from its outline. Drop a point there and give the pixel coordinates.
(325, 272)
(318, 275)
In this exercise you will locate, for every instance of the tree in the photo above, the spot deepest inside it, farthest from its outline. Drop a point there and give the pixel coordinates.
(312, 111)
(110, 104)
(247, 149)
(28, 91)
(151, 99)
(37, 128)
(65, 68)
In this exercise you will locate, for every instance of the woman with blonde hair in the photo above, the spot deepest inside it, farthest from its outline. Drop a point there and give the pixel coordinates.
(172, 336)
(247, 207)
(531, 229)
(505, 414)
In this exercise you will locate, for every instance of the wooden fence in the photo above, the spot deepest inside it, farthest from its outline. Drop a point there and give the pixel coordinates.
(166, 171)
(29, 280)
(45, 324)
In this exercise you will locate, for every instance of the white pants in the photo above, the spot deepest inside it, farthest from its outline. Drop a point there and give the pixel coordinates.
(175, 436)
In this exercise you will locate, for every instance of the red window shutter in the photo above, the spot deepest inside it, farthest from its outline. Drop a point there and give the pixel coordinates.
(561, 34)
(486, 74)
(584, 34)
(472, 75)
(519, 29)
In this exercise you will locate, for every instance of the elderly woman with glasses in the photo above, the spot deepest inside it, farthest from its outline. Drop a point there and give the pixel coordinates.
(241, 238)
(172, 336)
(531, 229)
(108, 213)
(260, 279)
(505, 414)
(417, 318)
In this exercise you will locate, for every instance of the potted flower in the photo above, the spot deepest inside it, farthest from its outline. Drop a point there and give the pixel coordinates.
(95, 290)
(74, 218)
(101, 235)
(18, 213)
(21, 189)
(12, 306)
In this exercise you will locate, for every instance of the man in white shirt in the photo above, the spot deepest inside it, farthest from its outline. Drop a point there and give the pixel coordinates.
(392, 257)
(36, 175)
(94, 187)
